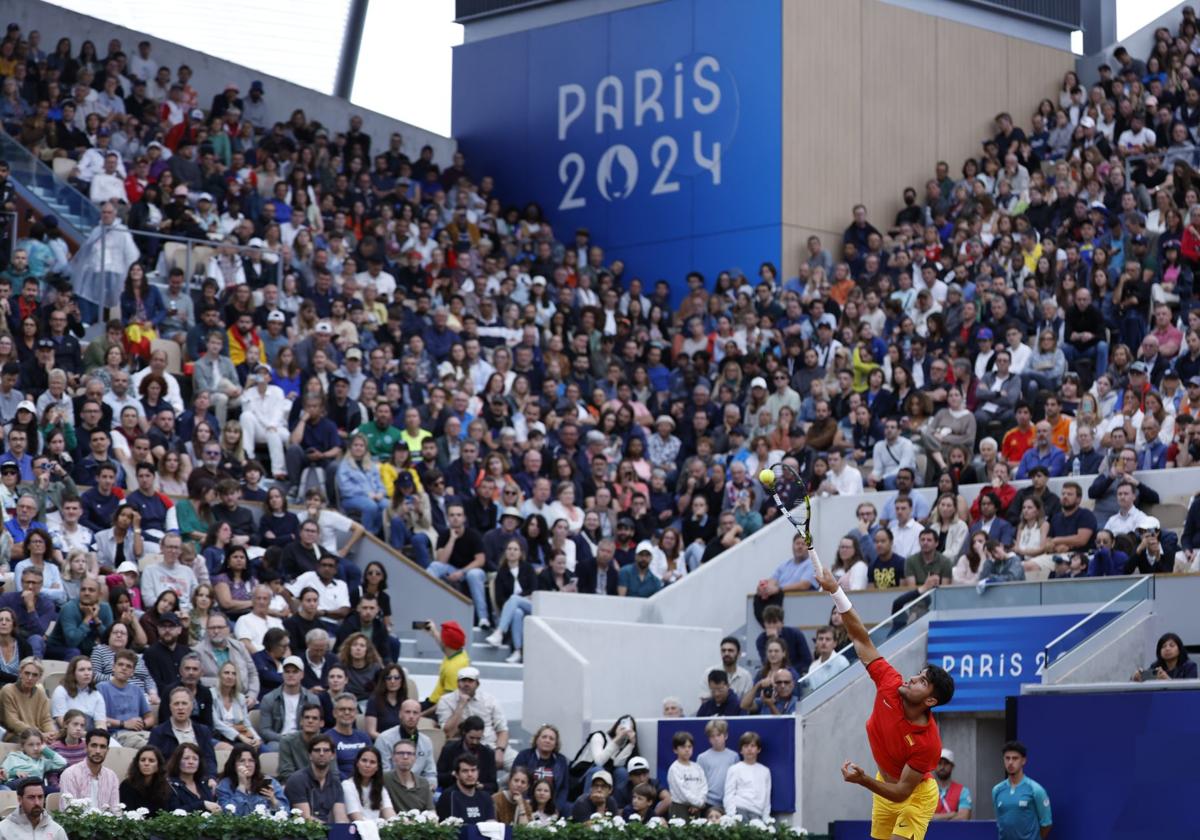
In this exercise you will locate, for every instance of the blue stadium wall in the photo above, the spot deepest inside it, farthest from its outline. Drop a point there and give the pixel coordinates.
(656, 127)
(1121, 764)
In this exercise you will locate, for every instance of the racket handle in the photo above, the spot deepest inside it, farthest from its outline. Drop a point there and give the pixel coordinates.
(817, 567)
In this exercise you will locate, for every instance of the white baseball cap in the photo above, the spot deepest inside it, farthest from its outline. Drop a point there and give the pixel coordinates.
(948, 755)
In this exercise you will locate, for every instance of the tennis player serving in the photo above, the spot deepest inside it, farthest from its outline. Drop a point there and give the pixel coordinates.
(904, 737)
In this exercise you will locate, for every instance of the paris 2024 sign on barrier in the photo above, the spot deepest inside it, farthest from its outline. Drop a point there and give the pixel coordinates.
(656, 127)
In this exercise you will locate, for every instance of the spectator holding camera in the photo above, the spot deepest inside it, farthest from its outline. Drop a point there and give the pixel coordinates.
(1152, 555)
(1171, 662)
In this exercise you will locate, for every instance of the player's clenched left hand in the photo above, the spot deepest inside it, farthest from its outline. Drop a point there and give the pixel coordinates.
(851, 772)
(826, 580)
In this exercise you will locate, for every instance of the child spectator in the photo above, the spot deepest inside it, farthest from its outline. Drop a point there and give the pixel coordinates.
(748, 783)
(642, 805)
(716, 760)
(33, 759)
(687, 782)
(70, 743)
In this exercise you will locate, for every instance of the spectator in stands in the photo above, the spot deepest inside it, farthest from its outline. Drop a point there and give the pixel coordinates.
(989, 522)
(721, 702)
(469, 700)
(887, 569)
(217, 648)
(279, 713)
(459, 559)
(1171, 661)
(465, 799)
(31, 818)
(188, 776)
(545, 763)
(347, 738)
(30, 615)
(636, 580)
(1000, 566)
(408, 790)
(598, 799)
(738, 677)
(748, 783)
(793, 640)
(316, 790)
(793, 575)
(179, 728)
(243, 786)
(89, 780)
(1152, 554)
(293, 747)
(1105, 486)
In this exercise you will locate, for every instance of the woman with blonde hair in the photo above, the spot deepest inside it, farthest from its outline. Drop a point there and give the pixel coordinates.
(360, 485)
(944, 519)
(231, 718)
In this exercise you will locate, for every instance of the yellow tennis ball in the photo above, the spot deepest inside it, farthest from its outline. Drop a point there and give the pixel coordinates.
(767, 477)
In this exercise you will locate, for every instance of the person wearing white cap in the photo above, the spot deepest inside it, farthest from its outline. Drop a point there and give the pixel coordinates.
(470, 701)
(1151, 555)
(265, 419)
(954, 799)
(663, 448)
(597, 799)
(225, 266)
(281, 708)
(636, 580)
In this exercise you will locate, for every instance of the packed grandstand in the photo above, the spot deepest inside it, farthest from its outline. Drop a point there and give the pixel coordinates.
(379, 333)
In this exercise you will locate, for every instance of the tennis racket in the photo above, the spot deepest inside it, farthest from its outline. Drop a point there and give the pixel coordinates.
(769, 477)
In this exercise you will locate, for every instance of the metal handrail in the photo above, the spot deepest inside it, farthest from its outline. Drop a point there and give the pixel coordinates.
(928, 599)
(28, 171)
(1191, 153)
(1145, 579)
(190, 243)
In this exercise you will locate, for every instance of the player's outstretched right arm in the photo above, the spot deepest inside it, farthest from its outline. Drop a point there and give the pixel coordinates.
(863, 645)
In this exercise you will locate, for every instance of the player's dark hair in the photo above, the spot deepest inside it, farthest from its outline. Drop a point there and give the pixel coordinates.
(1015, 746)
(941, 682)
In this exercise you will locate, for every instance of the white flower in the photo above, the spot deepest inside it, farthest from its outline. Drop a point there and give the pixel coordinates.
(260, 809)
(677, 822)
(231, 809)
(757, 823)
(179, 812)
(296, 812)
(619, 821)
(551, 829)
(635, 817)
(298, 821)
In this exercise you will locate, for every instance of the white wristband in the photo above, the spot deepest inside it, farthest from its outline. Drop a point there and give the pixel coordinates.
(841, 601)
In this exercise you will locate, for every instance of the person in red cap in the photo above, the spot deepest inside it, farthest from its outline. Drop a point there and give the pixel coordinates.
(453, 641)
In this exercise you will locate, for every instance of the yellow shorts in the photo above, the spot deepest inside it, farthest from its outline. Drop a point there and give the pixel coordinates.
(909, 818)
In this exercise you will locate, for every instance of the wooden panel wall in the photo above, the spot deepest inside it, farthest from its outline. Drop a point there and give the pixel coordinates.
(874, 95)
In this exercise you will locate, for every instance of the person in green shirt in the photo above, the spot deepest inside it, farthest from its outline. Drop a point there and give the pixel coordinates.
(928, 567)
(636, 580)
(381, 435)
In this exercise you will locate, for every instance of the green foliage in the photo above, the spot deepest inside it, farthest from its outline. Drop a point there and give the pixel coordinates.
(91, 825)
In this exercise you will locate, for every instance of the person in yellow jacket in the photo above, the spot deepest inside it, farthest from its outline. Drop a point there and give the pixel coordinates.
(245, 347)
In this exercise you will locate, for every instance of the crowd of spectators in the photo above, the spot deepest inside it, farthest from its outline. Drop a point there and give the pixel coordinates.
(385, 336)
